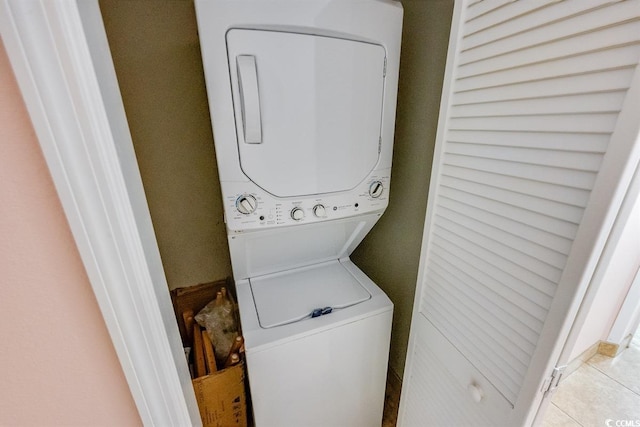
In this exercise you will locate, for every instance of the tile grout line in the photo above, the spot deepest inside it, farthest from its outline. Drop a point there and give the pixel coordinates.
(631, 348)
(563, 411)
(612, 379)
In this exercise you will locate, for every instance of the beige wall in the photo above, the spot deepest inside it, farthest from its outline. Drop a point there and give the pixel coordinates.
(155, 48)
(57, 363)
(156, 53)
(391, 252)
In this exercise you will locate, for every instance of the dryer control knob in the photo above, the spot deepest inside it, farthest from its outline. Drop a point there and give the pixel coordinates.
(246, 204)
(319, 211)
(375, 189)
(297, 214)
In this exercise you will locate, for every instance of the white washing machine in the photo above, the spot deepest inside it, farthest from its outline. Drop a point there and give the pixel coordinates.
(302, 95)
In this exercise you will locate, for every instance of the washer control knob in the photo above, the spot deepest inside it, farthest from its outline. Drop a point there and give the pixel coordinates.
(246, 204)
(297, 214)
(375, 189)
(319, 211)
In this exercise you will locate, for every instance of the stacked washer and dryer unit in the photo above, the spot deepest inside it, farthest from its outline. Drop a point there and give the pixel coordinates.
(302, 95)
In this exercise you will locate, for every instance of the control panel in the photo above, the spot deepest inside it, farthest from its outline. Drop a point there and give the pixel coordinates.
(248, 207)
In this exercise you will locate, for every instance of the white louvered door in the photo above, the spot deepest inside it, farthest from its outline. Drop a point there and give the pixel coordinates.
(536, 142)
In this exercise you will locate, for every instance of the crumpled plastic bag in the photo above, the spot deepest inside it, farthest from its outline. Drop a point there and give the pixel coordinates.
(219, 320)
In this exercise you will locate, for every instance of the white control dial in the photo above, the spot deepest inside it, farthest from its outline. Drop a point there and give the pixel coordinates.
(297, 214)
(319, 211)
(375, 189)
(246, 204)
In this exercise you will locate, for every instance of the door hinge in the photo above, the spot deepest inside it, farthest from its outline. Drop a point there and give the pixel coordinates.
(551, 384)
(379, 144)
(384, 69)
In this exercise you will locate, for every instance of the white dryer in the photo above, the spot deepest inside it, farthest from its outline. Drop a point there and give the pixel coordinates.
(302, 95)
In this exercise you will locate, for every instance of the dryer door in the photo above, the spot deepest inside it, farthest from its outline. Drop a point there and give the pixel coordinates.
(308, 109)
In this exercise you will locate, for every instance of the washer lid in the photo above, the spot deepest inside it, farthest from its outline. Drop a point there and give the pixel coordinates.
(290, 296)
(308, 109)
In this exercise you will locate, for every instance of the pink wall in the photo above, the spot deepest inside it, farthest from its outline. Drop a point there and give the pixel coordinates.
(57, 363)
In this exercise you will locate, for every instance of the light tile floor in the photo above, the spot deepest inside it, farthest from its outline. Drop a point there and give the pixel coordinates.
(600, 390)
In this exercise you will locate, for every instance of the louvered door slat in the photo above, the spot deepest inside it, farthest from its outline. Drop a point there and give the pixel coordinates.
(569, 196)
(511, 274)
(504, 15)
(502, 271)
(554, 142)
(489, 304)
(484, 7)
(488, 335)
(521, 265)
(528, 325)
(577, 45)
(552, 175)
(523, 16)
(571, 160)
(534, 95)
(536, 220)
(538, 63)
(606, 79)
(475, 269)
(574, 123)
(512, 241)
(567, 65)
(550, 208)
(594, 20)
(544, 238)
(601, 102)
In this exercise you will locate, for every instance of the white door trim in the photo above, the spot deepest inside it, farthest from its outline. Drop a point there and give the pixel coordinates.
(628, 318)
(596, 228)
(596, 281)
(585, 303)
(629, 315)
(61, 59)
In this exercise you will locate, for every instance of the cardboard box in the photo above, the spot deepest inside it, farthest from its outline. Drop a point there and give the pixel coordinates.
(221, 396)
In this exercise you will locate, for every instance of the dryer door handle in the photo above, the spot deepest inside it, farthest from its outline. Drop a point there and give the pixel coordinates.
(249, 98)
